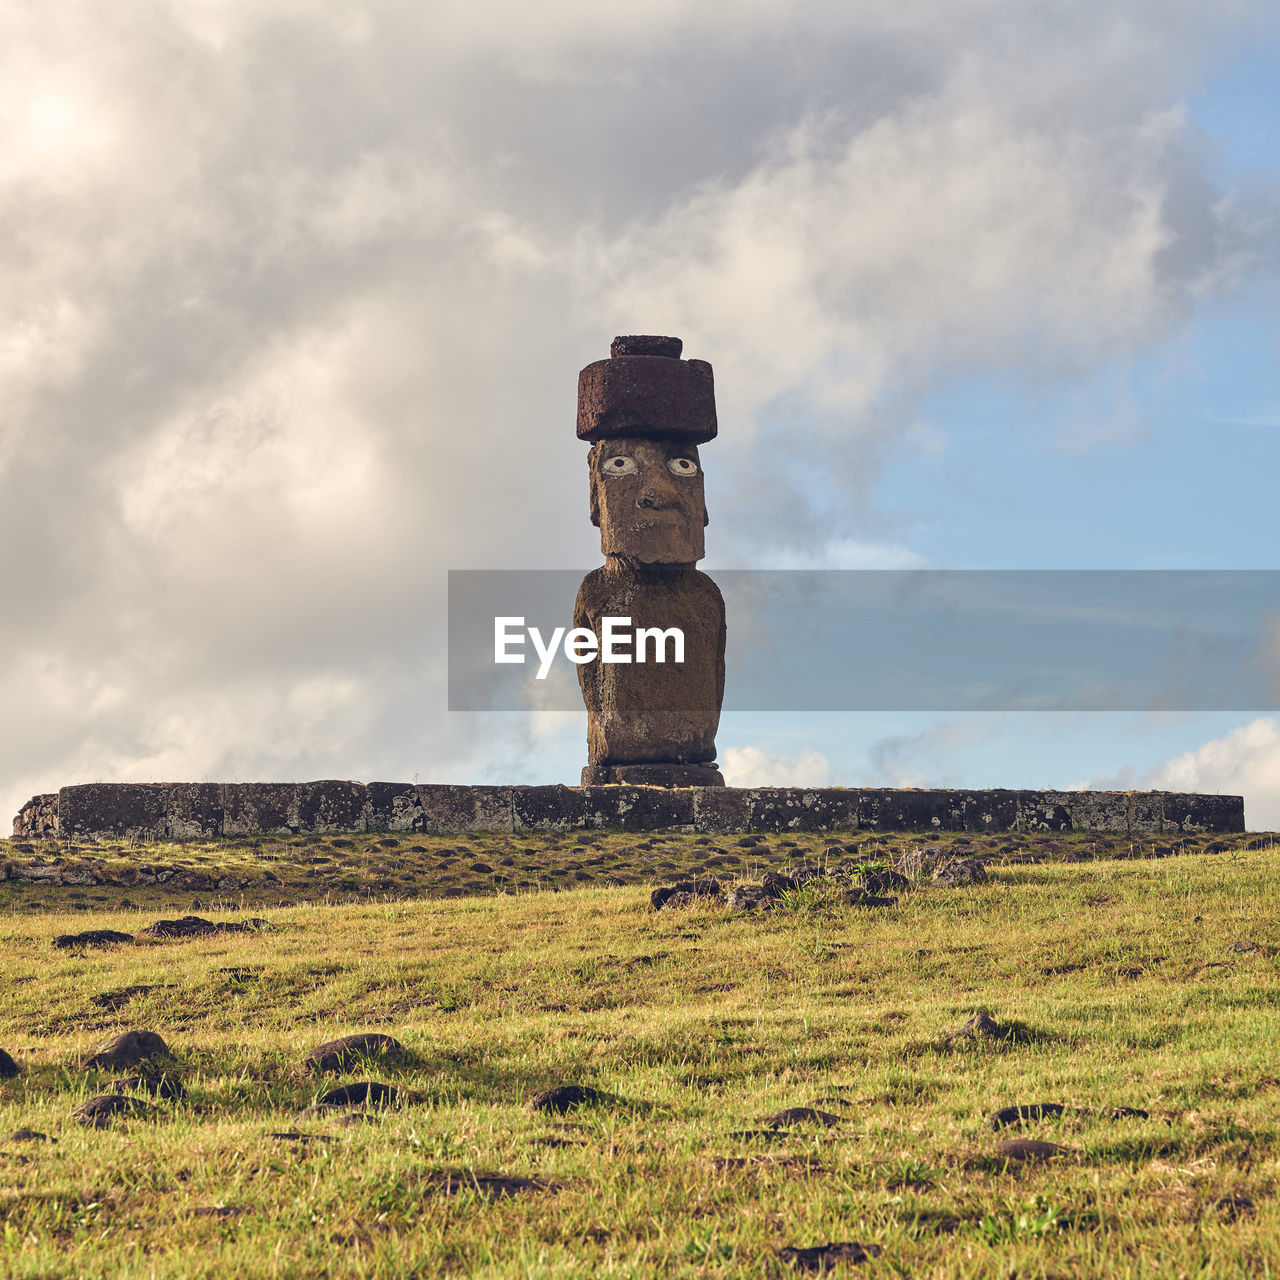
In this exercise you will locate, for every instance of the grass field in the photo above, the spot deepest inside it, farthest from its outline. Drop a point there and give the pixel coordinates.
(1147, 983)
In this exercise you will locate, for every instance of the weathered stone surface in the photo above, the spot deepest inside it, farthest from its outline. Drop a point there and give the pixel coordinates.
(338, 1055)
(91, 938)
(958, 872)
(127, 811)
(826, 1257)
(981, 1026)
(451, 809)
(275, 808)
(393, 806)
(128, 1048)
(37, 819)
(554, 808)
(652, 775)
(1025, 1113)
(801, 1115)
(721, 811)
(100, 1111)
(640, 808)
(259, 808)
(653, 712)
(365, 1093)
(1192, 813)
(199, 927)
(1029, 1150)
(193, 811)
(684, 893)
(332, 806)
(8, 1068)
(921, 862)
(565, 1097)
(647, 394)
(748, 897)
(645, 344)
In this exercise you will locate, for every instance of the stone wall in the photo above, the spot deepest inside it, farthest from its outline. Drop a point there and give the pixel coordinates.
(193, 811)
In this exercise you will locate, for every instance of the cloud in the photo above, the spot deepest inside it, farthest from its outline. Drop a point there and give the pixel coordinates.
(293, 302)
(755, 767)
(1245, 762)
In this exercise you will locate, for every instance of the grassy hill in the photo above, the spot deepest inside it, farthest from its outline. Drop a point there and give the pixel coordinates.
(1111, 982)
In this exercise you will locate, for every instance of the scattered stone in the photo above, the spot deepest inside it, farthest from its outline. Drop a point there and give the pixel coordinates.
(8, 1068)
(349, 1119)
(30, 1135)
(366, 1093)
(1128, 1113)
(166, 1087)
(337, 1055)
(100, 1111)
(758, 1135)
(198, 927)
(921, 862)
(130, 1047)
(801, 1164)
(959, 872)
(883, 881)
(982, 1026)
(1027, 1111)
(748, 897)
(293, 1135)
(91, 938)
(1029, 1150)
(492, 1185)
(220, 1211)
(566, 1097)
(1247, 947)
(822, 1257)
(801, 1115)
(684, 893)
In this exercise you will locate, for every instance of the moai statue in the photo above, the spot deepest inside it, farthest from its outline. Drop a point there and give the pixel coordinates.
(645, 412)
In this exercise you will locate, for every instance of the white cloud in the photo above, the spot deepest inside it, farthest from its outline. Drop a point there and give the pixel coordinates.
(755, 767)
(1245, 762)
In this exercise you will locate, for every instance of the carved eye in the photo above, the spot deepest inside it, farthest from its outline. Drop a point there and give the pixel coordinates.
(619, 465)
(683, 467)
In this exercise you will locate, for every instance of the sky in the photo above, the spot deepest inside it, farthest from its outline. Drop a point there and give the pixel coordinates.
(293, 299)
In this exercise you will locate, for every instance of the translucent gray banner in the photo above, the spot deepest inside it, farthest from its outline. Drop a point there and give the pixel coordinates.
(920, 640)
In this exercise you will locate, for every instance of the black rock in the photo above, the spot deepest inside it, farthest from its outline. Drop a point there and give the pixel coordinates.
(337, 1055)
(801, 1115)
(883, 881)
(99, 1112)
(30, 1135)
(130, 1047)
(823, 1257)
(8, 1068)
(366, 1093)
(91, 938)
(1028, 1150)
(565, 1097)
(709, 887)
(1027, 1111)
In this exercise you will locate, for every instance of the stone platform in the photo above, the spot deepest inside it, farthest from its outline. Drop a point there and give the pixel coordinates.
(115, 812)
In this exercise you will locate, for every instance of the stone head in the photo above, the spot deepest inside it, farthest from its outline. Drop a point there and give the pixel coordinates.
(647, 499)
(645, 411)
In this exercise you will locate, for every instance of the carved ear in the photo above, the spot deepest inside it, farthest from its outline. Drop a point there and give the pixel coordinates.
(706, 519)
(595, 496)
